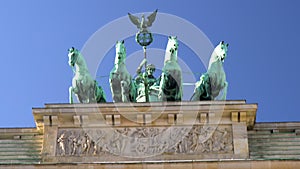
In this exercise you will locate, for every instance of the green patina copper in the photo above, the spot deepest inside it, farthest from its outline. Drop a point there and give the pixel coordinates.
(121, 83)
(148, 89)
(145, 87)
(170, 88)
(83, 86)
(144, 38)
(213, 84)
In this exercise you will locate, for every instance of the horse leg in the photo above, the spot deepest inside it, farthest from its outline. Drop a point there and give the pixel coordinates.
(90, 95)
(196, 95)
(112, 89)
(224, 91)
(178, 92)
(71, 95)
(161, 86)
(92, 92)
(115, 89)
(124, 91)
(133, 92)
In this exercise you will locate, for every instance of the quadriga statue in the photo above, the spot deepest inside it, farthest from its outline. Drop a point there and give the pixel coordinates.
(152, 84)
(213, 84)
(83, 86)
(121, 83)
(170, 88)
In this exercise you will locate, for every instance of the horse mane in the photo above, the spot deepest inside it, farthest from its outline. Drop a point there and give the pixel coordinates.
(171, 47)
(117, 58)
(215, 56)
(81, 64)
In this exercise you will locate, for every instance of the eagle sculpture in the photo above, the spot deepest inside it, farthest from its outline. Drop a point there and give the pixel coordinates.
(143, 24)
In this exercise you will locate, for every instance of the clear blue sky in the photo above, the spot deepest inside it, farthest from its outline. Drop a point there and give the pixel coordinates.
(262, 64)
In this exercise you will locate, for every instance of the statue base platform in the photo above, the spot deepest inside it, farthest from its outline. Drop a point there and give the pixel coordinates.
(145, 132)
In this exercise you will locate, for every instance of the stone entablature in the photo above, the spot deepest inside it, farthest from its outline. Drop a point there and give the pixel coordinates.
(145, 114)
(145, 131)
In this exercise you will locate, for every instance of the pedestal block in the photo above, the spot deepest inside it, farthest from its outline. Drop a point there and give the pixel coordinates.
(145, 132)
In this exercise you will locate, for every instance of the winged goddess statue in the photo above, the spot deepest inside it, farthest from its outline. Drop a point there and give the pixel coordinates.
(142, 24)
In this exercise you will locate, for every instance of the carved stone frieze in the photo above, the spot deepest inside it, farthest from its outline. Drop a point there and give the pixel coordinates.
(144, 141)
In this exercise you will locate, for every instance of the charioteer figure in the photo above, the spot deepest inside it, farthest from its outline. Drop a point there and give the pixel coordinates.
(144, 38)
(145, 81)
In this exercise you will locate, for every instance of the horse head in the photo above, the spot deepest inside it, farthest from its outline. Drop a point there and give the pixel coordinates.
(220, 52)
(171, 50)
(120, 52)
(73, 56)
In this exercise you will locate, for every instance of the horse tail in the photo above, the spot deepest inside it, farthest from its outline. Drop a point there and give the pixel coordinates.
(202, 89)
(101, 97)
(133, 91)
(194, 97)
(99, 93)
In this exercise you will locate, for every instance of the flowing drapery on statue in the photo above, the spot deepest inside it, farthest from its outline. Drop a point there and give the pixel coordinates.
(170, 88)
(152, 83)
(83, 86)
(121, 83)
(213, 84)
